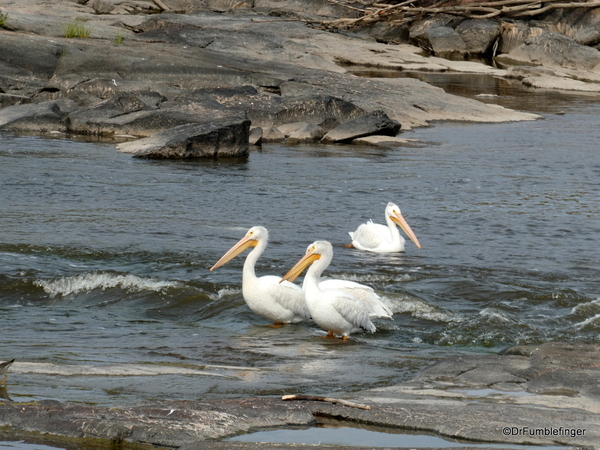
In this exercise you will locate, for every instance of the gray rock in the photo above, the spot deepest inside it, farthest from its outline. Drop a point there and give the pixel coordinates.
(514, 34)
(256, 136)
(316, 109)
(552, 50)
(202, 140)
(390, 34)
(99, 88)
(272, 134)
(139, 123)
(387, 141)
(184, 36)
(45, 116)
(445, 42)
(419, 32)
(289, 128)
(102, 6)
(90, 120)
(479, 35)
(375, 123)
(309, 132)
(37, 57)
(9, 100)
(589, 36)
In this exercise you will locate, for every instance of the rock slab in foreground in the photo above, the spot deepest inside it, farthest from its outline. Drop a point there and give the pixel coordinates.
(199, 140)
(512, 398)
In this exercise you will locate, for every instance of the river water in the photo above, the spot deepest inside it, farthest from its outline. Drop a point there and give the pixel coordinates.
(106, 295)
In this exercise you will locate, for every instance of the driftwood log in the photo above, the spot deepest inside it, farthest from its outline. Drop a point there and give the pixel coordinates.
(315, 398)
(406, 11)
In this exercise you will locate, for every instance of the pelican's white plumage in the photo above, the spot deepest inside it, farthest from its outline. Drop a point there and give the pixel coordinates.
(266, 296)
(373, 237)
(366, 294)
(331, 306)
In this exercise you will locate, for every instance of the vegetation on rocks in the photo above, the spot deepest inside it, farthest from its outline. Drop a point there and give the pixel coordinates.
(77, 29)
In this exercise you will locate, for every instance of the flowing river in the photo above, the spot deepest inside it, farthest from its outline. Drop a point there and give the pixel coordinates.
(106, 295)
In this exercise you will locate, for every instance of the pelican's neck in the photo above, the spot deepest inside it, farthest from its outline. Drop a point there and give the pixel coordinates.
(394, 231)
(311, 279)
(249, 273)
(313, 274)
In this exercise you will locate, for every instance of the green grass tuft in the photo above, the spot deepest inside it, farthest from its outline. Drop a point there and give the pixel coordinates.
(3, 19)
(77, 29)
(119, 38)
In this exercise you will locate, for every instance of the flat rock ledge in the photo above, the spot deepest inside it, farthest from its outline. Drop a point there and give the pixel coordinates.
(525, 395)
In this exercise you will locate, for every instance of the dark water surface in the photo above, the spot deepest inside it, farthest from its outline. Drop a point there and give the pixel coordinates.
(106, 294)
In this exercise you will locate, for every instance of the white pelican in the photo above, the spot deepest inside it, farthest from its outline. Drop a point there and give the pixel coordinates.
(266, 296)
(377, 238)
(333, 309)
(364, 293)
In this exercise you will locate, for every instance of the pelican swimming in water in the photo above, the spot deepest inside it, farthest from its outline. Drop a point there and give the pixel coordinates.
(377, 238)
(333, 309)
(266, 296)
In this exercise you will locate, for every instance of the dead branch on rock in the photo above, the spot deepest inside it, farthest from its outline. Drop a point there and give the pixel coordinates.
(405, 10)
(324, 399)
(161, 5)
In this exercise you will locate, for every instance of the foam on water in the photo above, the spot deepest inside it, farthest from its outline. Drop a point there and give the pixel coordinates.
(586, 322)
(421, 310)
(90, 281)
(495, 314)
(585, 306)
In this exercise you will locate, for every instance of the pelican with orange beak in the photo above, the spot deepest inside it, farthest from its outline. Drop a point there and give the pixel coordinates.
(266, 296)
(373, 237)
(334, 310)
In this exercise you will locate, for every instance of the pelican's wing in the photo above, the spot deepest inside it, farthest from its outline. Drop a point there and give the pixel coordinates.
(370, 235)
(353, 310)
(288, 295)
(366, 294)
(356, 289)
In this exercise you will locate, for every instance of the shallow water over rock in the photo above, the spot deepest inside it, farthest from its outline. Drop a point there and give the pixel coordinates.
(104, 258)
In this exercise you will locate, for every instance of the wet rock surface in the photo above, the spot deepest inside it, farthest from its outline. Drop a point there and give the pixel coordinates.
(526, 395)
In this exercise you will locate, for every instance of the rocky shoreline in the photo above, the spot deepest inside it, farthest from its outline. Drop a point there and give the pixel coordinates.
(544, 395)
(143, 70)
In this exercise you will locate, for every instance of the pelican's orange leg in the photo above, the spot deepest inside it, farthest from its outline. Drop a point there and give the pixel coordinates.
(330, 335)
